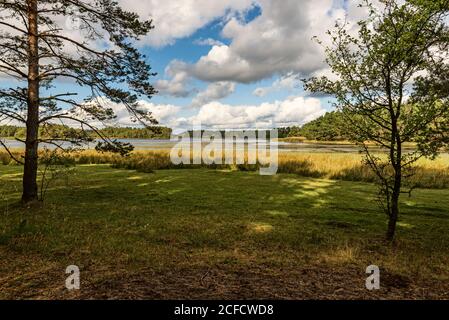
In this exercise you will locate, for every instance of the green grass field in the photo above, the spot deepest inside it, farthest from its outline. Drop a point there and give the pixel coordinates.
(217, 234)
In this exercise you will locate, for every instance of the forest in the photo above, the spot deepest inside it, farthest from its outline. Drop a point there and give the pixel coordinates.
(55, 131)
(328, 127)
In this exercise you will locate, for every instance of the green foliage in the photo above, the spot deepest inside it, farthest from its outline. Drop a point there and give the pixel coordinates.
(398, 44)
(284, 132)
(137, 133)
(65, 132)
(329, 127)
(12, 132)
(34, 42)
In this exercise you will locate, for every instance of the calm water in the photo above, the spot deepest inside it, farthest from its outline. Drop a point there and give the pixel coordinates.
(153, 145)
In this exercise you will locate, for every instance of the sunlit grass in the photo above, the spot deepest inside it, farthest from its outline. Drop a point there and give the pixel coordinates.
(172, 219)
(337, 166)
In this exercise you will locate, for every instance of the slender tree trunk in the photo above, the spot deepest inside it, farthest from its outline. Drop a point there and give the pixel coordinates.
(396, 160)
(393, 217)
(31, 146)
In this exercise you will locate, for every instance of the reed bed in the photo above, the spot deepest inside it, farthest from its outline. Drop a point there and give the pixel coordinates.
(336, 166)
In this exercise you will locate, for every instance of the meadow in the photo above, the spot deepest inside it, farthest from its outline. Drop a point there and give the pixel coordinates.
(432, 174)
(139, 228)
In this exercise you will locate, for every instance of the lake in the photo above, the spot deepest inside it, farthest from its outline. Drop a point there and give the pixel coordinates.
(154, 145)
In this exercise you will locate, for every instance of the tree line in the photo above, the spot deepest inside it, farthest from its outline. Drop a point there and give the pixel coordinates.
(60, 131)
(329, 127)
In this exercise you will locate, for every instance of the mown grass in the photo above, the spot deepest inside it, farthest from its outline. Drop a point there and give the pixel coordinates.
(114, 218)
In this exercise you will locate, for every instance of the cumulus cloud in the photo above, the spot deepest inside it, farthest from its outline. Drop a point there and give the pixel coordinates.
(165, 114)
(289, 81)
(174, 19)
(177, 83)
(69, 26)
(208, 42)
(215, 91)
(292, 111)
(278, 41)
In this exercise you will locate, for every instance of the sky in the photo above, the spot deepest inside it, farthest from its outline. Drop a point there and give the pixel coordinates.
(236, 63)
(229, 64)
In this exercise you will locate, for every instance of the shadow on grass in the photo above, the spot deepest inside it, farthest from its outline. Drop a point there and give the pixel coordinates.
(179, 218)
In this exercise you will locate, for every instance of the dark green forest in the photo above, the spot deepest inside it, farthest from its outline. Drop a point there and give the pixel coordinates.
(329, 127)
(113, 132)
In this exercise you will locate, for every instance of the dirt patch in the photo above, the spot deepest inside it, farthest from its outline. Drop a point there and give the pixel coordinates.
(256, 283)
(32, 278)
(309, 283)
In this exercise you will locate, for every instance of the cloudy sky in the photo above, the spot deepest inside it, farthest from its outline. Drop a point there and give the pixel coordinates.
(236, 63)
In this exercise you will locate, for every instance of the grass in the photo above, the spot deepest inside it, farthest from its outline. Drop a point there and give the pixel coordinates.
(115, 223)
(304, 140)
(335, 166)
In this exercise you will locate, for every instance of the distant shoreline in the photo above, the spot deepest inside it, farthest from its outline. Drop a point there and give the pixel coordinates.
(302, 140)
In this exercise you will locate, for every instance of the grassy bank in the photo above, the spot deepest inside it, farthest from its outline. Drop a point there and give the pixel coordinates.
(336, 166)
(213, 233)
(295, 140)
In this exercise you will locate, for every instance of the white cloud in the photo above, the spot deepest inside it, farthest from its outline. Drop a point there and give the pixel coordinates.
(292, 111)
(215, 115)
(174, 19)
(278, 41)
(289, 81)
(208, 42)
(164, 113)
(215, 91)
(177, 84)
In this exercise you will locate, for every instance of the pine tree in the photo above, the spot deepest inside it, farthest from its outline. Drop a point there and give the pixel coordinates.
(37, 52)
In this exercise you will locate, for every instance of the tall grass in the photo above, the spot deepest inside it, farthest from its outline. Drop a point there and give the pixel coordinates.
(349, 167)
(337, 166)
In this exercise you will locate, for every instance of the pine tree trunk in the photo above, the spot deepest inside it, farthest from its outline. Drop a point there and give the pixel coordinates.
(30, 192)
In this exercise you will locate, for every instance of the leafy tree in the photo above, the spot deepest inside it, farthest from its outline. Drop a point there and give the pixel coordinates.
(329, 127)
(57, 131)
(8, 131)
(294, 131)
(138, 133)
(392, 86)
(283, 132)
(36, 53)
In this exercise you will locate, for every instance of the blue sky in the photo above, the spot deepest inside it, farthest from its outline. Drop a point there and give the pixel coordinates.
(243, 62)
(189, 50)
(233, 63)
